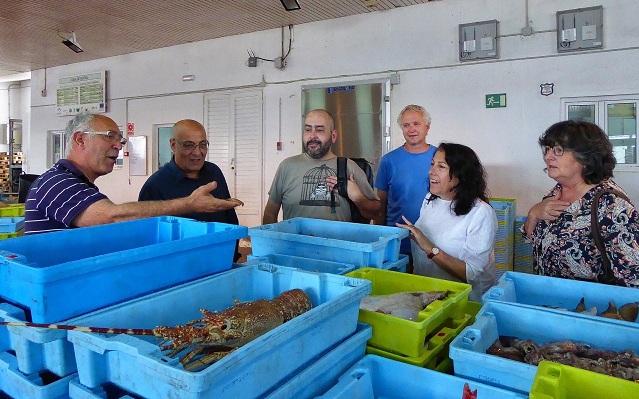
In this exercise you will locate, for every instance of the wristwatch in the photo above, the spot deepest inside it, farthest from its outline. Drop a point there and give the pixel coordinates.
(433, 252)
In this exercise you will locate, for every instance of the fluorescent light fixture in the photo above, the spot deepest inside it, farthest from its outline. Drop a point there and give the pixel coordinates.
(291, 5)
(72, 43)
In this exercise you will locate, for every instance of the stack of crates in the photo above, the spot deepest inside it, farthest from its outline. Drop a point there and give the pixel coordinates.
(328, 246)
(523, 252)
(542, 309)
(56, 277)
(306, 354)
(505, 237)
(11, 220)
(422, 342)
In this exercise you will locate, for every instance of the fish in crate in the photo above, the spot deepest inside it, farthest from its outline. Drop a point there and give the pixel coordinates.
(208, 339)
(571, 353)
(627, 312)
(405, 305)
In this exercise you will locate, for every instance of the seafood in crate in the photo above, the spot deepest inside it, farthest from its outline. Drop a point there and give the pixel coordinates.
(405, 305)
(627, 312)
(216, 334)
(571, 353)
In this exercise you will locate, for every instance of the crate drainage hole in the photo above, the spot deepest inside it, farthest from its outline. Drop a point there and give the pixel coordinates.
(48, 377)
(113, 391)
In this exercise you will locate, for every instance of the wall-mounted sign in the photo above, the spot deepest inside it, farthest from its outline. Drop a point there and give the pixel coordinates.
(81, 93)
(137, 155)
(496, 100)
(546, 89)
(339, 89)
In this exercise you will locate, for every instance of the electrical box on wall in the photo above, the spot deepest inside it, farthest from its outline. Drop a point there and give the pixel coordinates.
(478, 40)
(580, 29)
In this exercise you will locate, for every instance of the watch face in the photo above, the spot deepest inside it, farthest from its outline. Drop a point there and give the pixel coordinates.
(435, 251)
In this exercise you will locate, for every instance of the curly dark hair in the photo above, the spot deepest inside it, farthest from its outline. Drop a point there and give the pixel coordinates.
(590, 145)
(464, 164)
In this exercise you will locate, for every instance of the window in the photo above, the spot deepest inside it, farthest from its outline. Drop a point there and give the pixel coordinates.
(617, 116)
(56, 146)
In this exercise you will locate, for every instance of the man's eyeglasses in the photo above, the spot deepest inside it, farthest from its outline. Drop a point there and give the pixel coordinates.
(557, 150)
(111, 135)
(189, 146)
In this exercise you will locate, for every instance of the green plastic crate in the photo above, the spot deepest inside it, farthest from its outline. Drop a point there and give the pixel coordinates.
(557, 381)
(4, 236)
(406, 337)
(12, 210)
(436, 349)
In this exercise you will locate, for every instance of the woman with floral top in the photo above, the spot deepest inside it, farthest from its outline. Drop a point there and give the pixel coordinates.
(578, 156)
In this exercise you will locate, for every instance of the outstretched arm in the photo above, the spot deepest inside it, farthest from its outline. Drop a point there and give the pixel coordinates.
(200, 200)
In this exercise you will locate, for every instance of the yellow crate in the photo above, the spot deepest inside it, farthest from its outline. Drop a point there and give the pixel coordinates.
(435, 350)
(4, 236)
(557, 381)
(406, 337)
(8, 210)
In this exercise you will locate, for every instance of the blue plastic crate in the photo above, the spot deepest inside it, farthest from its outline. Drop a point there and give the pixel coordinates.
(11, 224)
(64, 274)
(378, 377)
(137, 365)
(20, 386)
(312, 265)
(542, 291)
(35, 349)
(324, 373)
(362, 245)
(322, 266)
(468, 349)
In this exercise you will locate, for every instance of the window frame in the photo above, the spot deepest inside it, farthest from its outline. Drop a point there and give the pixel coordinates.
(601, 118)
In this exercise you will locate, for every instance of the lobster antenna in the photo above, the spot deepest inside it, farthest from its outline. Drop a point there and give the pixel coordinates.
(99, 330)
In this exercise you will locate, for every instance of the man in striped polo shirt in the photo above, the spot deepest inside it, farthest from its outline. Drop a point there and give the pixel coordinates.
(65, 196)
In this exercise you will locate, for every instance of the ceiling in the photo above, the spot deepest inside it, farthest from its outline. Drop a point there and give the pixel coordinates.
(31, 30)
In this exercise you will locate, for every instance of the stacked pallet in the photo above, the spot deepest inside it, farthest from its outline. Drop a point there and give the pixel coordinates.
(5, 170)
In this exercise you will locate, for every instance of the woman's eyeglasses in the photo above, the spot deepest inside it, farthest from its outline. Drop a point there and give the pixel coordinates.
(557, 150)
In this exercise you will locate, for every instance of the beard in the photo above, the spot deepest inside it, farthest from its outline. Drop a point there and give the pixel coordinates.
(318, 152)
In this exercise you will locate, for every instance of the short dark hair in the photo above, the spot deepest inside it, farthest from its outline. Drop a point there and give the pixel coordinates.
(464, 164)
(590, 145)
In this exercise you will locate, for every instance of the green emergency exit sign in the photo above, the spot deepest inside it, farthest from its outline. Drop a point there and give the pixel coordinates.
(496, 100)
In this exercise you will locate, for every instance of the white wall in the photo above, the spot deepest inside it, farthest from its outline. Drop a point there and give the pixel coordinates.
(17, 96)
(420, 43)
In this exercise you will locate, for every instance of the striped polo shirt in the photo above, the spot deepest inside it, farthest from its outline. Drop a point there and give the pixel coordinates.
(57, 197)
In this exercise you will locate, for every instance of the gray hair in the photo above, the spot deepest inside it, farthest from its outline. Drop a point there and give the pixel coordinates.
(79, 123)
(414, 108)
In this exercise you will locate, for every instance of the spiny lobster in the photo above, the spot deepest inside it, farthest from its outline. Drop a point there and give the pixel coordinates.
(216, 334)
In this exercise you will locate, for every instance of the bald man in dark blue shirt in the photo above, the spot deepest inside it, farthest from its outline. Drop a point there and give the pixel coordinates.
(188, 170)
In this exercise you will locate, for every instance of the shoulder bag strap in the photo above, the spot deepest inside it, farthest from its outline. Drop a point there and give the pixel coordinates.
(607, 276)
(342, 179)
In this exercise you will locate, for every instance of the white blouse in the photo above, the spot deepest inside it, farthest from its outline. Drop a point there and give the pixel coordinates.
(469, 238)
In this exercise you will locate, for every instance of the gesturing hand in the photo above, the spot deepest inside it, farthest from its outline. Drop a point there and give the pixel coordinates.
(549, 209)
(416, 234)
(201, 200)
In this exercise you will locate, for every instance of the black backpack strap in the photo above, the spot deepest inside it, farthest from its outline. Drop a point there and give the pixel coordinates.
(342, 178)
(607, 276)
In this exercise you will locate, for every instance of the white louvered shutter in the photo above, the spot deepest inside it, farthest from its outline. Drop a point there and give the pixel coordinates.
(234, 126)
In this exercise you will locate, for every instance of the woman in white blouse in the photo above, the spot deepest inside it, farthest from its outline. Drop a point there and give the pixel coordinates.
(454, 237)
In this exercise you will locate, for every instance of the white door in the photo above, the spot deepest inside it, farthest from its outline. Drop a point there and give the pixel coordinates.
(233, 122)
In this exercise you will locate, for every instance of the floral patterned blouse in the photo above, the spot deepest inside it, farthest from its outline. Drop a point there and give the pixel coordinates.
(565, 247)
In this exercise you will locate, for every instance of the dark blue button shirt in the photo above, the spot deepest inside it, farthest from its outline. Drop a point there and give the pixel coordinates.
(169, 182)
